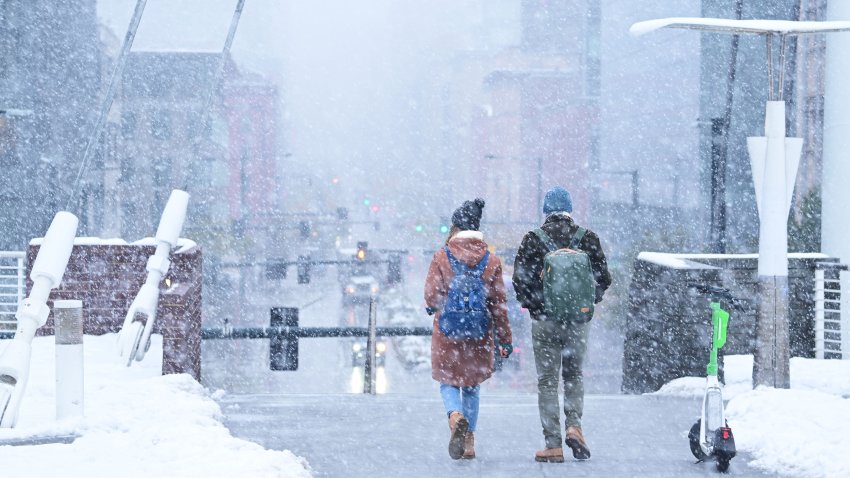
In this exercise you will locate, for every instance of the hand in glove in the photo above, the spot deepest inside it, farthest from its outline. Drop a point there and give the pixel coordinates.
(505, 350)
(599, 293)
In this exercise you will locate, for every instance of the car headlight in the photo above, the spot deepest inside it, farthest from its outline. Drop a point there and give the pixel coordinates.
(349, 290)
(375, 289)
(381, 347)
(356, 347)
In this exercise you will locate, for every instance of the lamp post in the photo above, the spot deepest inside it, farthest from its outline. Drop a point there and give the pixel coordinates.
(774, 160)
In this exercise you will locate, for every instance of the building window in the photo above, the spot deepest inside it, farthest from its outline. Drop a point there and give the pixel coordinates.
(161, 125)
(128, 169)
(195, 125)
(128, 124)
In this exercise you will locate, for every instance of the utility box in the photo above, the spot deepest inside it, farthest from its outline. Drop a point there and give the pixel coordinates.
(668, 327)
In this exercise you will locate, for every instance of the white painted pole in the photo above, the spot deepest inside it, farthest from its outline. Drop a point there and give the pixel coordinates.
(68, 320)
(835, 225)
(774, 159)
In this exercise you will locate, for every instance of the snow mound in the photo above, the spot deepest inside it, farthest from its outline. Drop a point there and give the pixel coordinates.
(137, 424)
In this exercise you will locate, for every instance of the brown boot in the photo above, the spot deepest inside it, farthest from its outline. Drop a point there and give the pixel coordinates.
(458, 425)
(550, 455)
(575, 440)
(469, 446)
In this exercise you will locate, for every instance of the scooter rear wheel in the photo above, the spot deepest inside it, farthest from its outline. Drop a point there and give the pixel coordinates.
(722, 464)
(693, 439)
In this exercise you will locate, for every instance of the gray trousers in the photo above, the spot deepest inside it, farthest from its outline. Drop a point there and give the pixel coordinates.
(559, 346)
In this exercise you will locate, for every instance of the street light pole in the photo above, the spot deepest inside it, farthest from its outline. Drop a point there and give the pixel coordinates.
(774, 160)
(540, 186)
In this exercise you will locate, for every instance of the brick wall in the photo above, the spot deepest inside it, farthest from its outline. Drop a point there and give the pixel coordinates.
(107, 277)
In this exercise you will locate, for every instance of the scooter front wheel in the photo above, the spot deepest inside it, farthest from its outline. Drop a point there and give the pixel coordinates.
(693, 439)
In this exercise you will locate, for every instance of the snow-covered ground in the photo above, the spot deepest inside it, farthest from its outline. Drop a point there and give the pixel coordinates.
(799, 432)
(141, 424)
(137, 424)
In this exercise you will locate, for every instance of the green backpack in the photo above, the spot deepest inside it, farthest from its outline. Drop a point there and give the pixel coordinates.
(569, 289)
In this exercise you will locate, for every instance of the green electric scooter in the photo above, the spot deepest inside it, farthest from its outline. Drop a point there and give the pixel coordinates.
(710, 436)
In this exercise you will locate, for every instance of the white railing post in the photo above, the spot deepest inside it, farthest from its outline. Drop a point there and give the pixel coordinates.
(844, 283)
(22, 278)
(68, 333)
(819, 306)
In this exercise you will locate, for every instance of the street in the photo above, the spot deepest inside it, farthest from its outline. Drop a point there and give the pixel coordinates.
(406, 434)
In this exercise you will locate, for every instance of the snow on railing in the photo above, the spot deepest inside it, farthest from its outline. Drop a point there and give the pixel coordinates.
(832, 314)
(13, 284)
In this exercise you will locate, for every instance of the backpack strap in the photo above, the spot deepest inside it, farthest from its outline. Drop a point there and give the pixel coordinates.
(459, 267)
(550, 244)
(547, 241)
(577, 237)
(482, 264)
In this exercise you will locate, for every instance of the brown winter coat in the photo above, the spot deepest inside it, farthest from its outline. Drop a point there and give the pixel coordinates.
(465, 363)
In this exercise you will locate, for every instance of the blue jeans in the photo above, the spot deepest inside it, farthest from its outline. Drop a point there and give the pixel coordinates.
(462, 399)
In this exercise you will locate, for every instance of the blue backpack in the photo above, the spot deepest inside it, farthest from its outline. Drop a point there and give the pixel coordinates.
(465, 315)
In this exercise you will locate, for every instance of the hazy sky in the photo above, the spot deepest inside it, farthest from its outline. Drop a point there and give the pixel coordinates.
(354, 75)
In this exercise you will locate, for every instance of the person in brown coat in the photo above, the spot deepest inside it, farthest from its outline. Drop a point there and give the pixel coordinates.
(462, 359)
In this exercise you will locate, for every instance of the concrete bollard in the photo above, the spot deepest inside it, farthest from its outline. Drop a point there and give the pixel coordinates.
(68, 320)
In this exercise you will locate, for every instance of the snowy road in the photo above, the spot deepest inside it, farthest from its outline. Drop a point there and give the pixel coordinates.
(403, 431)
(407, 435)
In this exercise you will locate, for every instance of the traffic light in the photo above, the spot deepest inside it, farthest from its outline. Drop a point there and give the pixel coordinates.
(275, 269)
(444, 225)
(361, 250)
(419, 228)
(305, 228)
(394, 269)
(303, 266)
(283, 350)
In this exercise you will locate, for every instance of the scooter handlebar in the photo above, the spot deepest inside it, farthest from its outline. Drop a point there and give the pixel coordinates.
(717, 293)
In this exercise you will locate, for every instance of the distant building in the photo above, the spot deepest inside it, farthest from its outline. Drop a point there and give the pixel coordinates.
(229, 167)
(49, 85)
(534, 123)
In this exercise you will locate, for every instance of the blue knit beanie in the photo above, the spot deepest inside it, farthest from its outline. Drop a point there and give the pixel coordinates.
(557, 199)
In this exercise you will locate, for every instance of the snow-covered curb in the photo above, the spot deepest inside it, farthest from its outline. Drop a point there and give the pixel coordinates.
(797, 432)
(137, 424)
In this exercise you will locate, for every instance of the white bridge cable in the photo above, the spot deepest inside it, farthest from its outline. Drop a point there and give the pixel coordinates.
(107, 100)
(225, 51)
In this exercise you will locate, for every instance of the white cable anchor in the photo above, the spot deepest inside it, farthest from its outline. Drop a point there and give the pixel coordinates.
(140, 318)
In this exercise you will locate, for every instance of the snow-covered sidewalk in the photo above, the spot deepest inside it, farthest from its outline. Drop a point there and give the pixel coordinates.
(798, 432)
(137, 424)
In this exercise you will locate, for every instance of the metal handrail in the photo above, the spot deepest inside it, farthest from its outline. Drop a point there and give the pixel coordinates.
(835, 338)
(13, 277)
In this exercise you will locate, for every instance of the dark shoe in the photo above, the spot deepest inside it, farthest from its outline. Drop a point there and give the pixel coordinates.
(575, 440)
(550, 455)
(458, 425)
(469, 446)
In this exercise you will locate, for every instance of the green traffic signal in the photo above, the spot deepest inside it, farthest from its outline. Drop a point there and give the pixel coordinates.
(444, 228)
(419, 228)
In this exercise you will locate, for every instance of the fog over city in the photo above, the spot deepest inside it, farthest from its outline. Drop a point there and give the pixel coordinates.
(274, 203)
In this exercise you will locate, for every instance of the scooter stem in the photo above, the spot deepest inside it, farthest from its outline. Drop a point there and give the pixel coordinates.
(719, 321)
